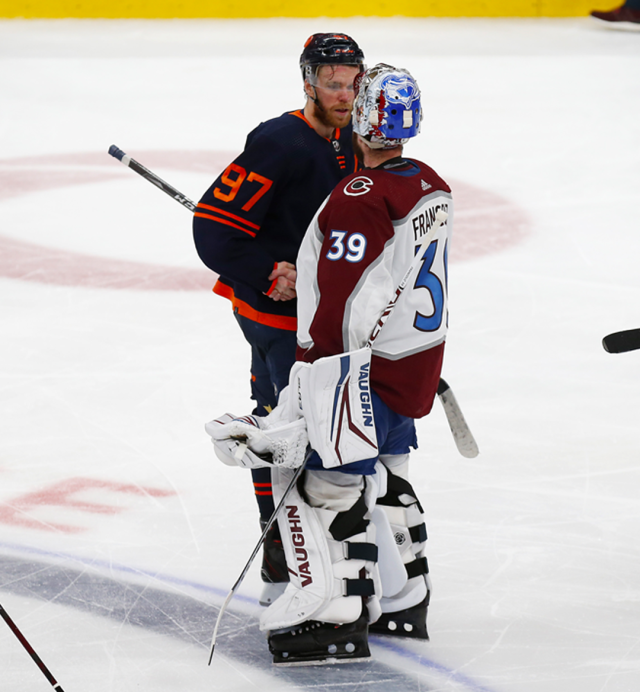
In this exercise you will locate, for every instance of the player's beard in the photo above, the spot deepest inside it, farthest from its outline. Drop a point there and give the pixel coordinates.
(329, 118)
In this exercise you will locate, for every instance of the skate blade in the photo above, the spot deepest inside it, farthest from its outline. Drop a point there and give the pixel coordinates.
(396, 634)
(330, 661)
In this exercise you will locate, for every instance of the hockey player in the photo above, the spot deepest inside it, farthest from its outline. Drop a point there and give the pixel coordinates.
(249, 224)
(353, 529)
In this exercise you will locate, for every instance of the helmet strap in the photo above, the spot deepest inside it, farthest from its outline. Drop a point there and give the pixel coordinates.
(307, 78)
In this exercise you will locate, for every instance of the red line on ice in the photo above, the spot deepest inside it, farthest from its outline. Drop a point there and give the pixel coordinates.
(17, 512)
(484, 222)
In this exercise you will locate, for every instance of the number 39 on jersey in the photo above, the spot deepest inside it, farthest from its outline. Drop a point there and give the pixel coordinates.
(351, 246)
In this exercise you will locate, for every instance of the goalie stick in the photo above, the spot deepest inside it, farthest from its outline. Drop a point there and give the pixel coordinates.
(462, 435)
(14, 628)
(621, 342)
(256, 550)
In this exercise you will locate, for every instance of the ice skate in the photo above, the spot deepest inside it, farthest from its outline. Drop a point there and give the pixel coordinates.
(411, 622)
(320, 643)
(405, 569)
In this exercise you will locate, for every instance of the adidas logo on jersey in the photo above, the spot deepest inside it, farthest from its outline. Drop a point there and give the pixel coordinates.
(425, 186)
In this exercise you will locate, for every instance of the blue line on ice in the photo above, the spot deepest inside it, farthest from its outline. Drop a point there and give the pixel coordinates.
(427, 663)
(92, 562)
(381, 642)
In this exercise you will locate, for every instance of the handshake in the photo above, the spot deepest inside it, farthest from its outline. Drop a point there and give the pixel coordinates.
(284, 275)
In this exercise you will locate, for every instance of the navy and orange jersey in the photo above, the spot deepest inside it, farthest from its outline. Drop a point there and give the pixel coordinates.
(257, 211)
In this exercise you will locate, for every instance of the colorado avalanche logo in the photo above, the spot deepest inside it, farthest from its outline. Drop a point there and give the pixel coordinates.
(358, 186)
(400, 89)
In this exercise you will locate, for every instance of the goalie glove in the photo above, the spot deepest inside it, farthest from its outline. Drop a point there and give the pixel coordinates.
(250, 442)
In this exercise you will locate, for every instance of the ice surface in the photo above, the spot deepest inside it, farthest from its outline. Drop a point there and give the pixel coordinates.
(120, 534)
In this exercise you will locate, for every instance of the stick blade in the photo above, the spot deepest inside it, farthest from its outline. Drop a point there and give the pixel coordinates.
(462, 435)
(621, 342)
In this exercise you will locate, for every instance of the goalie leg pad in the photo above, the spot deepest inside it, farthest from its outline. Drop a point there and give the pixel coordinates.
(406, 589)
(331, 554)
(393, 574)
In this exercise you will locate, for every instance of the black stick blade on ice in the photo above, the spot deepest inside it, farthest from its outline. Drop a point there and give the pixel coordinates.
(621, 342)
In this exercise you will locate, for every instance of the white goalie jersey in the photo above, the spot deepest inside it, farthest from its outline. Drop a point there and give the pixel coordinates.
(355, 253)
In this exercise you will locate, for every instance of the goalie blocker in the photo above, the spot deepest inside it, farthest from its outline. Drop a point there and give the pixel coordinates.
(328, 405)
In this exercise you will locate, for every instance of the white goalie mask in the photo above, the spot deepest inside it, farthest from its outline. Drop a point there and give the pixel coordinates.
(386, 111)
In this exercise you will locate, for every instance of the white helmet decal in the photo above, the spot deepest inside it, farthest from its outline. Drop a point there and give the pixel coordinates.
(386, 109)
(400, 89)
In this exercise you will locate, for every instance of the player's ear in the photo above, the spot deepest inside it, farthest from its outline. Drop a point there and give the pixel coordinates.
(309, 90)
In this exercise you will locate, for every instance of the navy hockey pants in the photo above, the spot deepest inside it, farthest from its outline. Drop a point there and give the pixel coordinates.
(273, 352)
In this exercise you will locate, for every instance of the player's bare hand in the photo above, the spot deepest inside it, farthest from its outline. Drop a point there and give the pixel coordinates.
(283, 290)
(284, 275)
(285, 270)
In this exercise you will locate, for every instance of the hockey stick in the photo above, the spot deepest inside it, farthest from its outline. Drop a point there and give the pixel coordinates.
(234, 588)
(29, 649)
(621, 342)
(456, 420)
(151, 177)
(462, 435)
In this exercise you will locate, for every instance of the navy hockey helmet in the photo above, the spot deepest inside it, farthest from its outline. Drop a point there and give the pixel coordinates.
(386, 110)
(329, 49)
